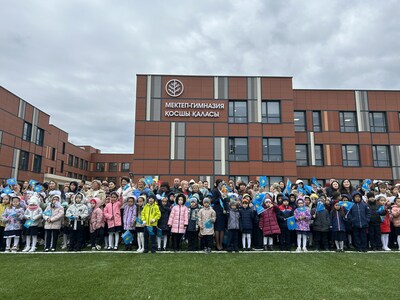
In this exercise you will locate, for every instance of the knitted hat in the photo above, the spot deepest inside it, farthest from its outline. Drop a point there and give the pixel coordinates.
(247, 195)
(245, 201)
(206, 200)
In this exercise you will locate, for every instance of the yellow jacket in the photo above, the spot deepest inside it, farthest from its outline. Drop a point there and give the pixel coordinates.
(2, 209)
(149, 213)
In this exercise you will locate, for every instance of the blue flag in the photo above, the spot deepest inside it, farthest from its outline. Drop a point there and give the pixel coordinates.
(150, 230)
(139, 220)
(320, 207)
(11, 181)
(301, 191)
(47, 213)
(32, 182)
(38, 188)
(288, 187)
(159, 232)
(208, 224)
(7, 190)
(148, 180)
(127, 237)
(366, 185)
(347, 205)
(308, 189)
(263, 181)
(291, 223)
(257, 202)
(315, 182)
(28, 223)
(380, 209)
(126, 187)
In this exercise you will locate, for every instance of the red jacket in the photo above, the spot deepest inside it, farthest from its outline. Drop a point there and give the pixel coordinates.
(268, 223)
(385, 225)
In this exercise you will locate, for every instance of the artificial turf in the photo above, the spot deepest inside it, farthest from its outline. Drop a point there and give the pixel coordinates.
(200, 276)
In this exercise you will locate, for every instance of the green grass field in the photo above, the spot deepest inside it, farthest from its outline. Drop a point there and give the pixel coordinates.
(200, 276)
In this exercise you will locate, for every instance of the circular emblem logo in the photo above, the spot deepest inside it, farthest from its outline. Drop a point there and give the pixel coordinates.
(174, 88)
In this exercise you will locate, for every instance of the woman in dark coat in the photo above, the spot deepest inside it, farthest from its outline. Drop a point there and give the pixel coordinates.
(220, 205)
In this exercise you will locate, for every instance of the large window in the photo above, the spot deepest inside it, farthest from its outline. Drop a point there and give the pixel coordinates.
(237, 112)
(27, 132)
(76, 162)
(271, 112)
(377, 121)
(70, 160)
(301, 155)
(113, 167)
(40, 136)
(351, 156)
(23, 160)
(319, 155)
(272, 149)
(381, 156)
(238, 149)
(125, 167)
(316, 116)
(37, 163)
(99, 167)
(348, 121)
(300, 121)
(53, 153)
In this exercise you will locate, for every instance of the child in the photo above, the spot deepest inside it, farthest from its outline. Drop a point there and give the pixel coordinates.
(374, 226)
(77, 213)
(338, 226)
(396, 218)
(33, 215)
(178, 221)
(207, 217)
(233, 227)
(269, 224)
(3, 205)
(192, 231)
(247, 216)
(150, 216)
(322, 222)
(347, 223)
(12, 217)
(285, 212)
(112, 214)
(52, 216)
(302, 216)
(385, 225)
(141, 201)
(165, 210)
(359, 216)
(96, 224)
(130, 218)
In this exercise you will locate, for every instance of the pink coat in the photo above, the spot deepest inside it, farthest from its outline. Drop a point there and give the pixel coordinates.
(178, 219)
(396, 215)
(112, 213)
(96, 218)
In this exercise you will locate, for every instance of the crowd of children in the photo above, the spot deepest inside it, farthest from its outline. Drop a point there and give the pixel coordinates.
(146, 217)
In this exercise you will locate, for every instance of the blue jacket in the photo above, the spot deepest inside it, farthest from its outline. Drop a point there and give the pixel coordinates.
(359, 215)
(337, 220)
(247, 216)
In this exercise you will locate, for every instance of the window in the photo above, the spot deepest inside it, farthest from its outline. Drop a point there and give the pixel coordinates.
(316, 117)
(112, 167)
(125, 167)
(51, 170)
(114, 179)
(272, 149)
(23, 160)
(301, 155)
(63, 148)
(62, 167)
(237, 112)
(76, 164)
(381, 156)
(70, 160)
(319, 155)
(348, 122)
(53, 153)
(236, 178)
(69, 174)
(85, 165)
(238, 149)
(300, 121)
(37, 163)
(27, 132)
(81, 163)
(39, 136)
(271, 112)
(377, 121)
(351, 158)
(99, 167)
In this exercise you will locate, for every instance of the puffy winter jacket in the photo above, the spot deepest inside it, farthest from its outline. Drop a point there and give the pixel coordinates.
(165, 212)
(322, 220)
(178, 219)
(57, 215)
(304, 223)
(247, 216)
(206, 214)
(77, 214)
(129, 217)
(375, 218)
(359, 215)
(284, 213)
(268, 222)
(149, 213)
(233, 219)
(337, 220)
(13, 217)
(96, 217)
(34, 215)
(112, 213)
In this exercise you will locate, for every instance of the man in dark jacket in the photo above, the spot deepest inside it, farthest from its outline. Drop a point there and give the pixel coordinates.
(374, 228)
(359, 216)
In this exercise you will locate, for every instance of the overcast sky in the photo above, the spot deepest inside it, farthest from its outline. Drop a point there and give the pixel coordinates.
(77, 60)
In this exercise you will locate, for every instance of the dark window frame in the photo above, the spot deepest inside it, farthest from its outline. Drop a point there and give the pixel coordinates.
(267, 156)
(232, 118)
